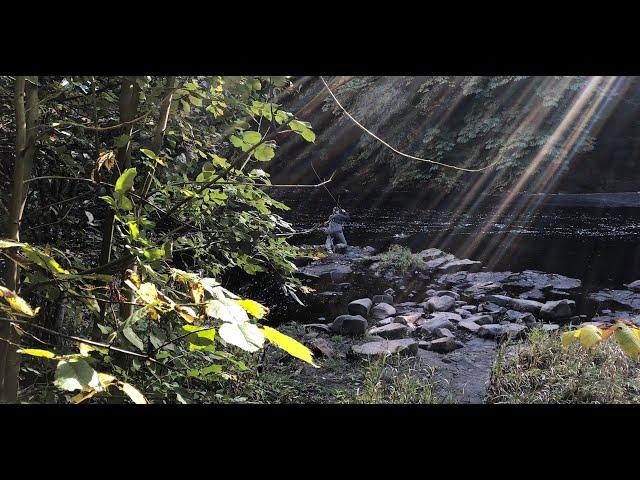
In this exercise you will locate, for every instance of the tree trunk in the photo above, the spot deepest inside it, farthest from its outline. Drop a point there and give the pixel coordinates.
(128, 106)
(26, 134)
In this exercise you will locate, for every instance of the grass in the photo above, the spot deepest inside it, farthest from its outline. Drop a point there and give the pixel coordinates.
(399, 259)
(540, 371)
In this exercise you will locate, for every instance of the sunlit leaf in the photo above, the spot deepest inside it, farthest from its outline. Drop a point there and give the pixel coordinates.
(125, 181)
(35, 352)
(76, 375)
(18, 303)
(133, 393)
(148, 293)
(628, 341)
(254, 308)
(246, 336)
(590, 335)
(288, 344)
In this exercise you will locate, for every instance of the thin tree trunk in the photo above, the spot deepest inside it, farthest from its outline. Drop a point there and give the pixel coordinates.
(129, 96)
(26, 135)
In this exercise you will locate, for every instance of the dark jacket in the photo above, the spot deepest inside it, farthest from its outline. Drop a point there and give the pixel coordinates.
(335, 222)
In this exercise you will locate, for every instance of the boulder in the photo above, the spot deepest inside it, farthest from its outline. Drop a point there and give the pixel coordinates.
(444, 332)
(460, 265)
(382, 310)
(409, 318)
(431, 325)
(440, 304)
(481, 319)
(635, 286)
(520, 317)
(405, 346)
(443, 345)
(324, 347)
(550, 327)
(463, 313)
(533, 294)
(514, 330)
(437, 262)
(534, 279)
(558, 309)
(470, 308)
(383, 299)
(519, 304)
(430, 254)
(384, 321)
(391, 331)
(469, 325)
(360, 307)
(450, 316)
(448, 293)
(492, 330)
(618, 298)
(349, 325)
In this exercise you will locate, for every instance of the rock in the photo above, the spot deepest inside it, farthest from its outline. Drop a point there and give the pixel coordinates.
(391, 331)
(405, 346)
(557, 294)
(635, 286)
(382, 310)
(481, 319)
(430, 254)
(558, 310)
(463, 313)
(619, 298)
(406, 305)
(438, 262)
(360, 307)
(520, 317)
(470, 308)
(444, 332)
(450, 316)
(324, 347)
(492, 330)
(383, 299)
(431, 325)
(550, 327)
(407, 319)
(534, 279)
(349, 325)
(516, 303)
(469, 325)
(533, 294)
(448, 293)
(460, 303)
(384, 321)
(459, 265)
(323, 327)
(491, 308)
(514, 330)
(443, 345)
(440, 304)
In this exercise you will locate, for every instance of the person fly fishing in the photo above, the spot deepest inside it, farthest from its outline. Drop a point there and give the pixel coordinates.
(335, 231)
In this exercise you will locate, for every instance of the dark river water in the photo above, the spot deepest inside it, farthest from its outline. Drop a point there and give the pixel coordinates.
(593, 237)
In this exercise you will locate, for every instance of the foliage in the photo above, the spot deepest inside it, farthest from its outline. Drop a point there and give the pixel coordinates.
(173, 167)
(541, 370)
(399, 259)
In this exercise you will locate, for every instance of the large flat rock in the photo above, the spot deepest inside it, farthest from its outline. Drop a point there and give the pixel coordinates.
(405, 346)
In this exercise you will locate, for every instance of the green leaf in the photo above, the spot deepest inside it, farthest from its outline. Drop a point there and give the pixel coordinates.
(195, 101)
(226, 310)
(9, 244)
(200, 338)
(264, 153)
(133, 338)
(303, 130)
(76, 375)
(149, 153)
(125, 181)
(43, 260)
(246, 336)
(121, 141)
(251, 137)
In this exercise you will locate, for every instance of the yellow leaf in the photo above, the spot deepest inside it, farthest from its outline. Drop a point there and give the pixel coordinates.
(288, 344)
(106, 379)
(82, 396)
(148, 293)
(133, 393)
(628, 341)
(254, 308)
(36, 352)
(590, 335)
(187, 313)
(86, 349)
(568, 338)
(18, 303)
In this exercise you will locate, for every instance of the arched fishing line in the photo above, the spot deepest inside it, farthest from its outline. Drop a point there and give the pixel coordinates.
(325, 187)
(395, 149)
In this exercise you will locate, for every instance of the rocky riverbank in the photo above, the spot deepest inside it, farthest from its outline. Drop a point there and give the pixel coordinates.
(450, 313)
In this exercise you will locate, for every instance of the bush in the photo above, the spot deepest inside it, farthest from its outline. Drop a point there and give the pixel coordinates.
(540, 371)
(399, 259)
